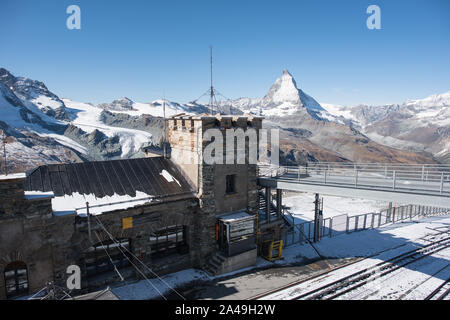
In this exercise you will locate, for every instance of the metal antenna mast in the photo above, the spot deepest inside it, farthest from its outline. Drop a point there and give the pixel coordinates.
(212, 94)
(165, 133)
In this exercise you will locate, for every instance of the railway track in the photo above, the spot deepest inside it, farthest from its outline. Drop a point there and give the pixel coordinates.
(356, 280)
(441, 292)
(430, 238)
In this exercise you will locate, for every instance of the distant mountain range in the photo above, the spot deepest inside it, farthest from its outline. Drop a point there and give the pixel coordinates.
(42, 127)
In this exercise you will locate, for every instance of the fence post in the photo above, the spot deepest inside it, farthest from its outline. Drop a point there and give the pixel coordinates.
(356, 223)
(423, 172)
(365, 220)
(323, 230)
(389, 213)
(331, 227)
(309, 231)
(356, 178)
(379, 219)
(393, 215)
(393, 180)
(347, 224)
(442, 182)
(373, 218)
(301, 229)
(293, 235)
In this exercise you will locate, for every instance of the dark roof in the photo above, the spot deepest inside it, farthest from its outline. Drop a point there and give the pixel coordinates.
(106, 178)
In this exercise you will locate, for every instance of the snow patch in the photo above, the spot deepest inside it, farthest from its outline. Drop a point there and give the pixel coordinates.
(76, 202)
(169, 177)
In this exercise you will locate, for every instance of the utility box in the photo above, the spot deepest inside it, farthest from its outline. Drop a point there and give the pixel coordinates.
(236, 233)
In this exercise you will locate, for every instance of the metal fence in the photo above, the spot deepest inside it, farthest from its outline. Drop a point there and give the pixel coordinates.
(424, 177)
(334, 226)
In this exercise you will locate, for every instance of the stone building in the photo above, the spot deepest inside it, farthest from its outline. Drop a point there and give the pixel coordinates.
(129, 218)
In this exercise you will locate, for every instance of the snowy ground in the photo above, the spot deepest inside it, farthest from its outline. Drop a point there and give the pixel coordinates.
(301, 205)
(414, 281)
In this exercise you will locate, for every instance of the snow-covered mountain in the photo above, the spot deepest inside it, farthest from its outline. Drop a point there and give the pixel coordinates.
(312, 131)
(34, 94)
(418, 125)
(43, 128)
(283, 99)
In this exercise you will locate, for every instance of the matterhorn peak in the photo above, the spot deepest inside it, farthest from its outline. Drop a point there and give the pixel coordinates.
(286, 72)
(284, 89)
(285, 98)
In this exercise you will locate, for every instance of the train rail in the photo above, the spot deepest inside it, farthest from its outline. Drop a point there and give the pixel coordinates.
(441, 292)
(432, 239)
(356, 280)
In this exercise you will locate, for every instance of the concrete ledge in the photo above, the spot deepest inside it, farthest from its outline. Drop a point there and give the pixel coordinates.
(239, 261)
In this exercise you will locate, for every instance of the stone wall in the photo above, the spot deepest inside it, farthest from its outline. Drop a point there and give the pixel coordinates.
(26, 234)
(48, 244)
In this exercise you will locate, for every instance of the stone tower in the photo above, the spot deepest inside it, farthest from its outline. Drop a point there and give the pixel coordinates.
(222, 186)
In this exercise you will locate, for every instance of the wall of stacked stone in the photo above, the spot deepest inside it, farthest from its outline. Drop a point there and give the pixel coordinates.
(27, 234)
(48, 244)
(166, 213)
(11, 195)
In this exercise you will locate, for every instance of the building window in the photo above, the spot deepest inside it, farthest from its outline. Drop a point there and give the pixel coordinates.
(16, 279)
(230, 183)
(169, 240)
(97, 259)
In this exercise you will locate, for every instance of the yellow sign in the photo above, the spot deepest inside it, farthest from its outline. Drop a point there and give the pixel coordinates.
(127, 223)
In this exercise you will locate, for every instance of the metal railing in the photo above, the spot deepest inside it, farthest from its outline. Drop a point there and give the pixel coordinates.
(337, 225)
(423, 177)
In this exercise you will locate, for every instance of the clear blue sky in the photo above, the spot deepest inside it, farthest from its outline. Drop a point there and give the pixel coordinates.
(139, 49)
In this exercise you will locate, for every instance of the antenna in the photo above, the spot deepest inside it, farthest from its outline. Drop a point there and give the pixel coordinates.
(165, 130)
(212, 92)
(212, 96)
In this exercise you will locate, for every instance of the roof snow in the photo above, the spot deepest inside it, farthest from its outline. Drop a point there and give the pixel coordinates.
(169, 177)
(76, 203)
(13, 176)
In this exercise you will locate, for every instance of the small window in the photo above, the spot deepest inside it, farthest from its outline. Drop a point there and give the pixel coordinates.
(16, 279)
(168, 240)
(230, 183)
(103, 257)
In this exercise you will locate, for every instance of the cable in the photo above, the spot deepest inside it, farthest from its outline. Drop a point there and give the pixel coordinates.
(107, 253)
(134, 256)
(131, 262)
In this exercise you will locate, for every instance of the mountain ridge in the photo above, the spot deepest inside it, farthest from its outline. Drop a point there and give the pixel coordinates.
(80, 131)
